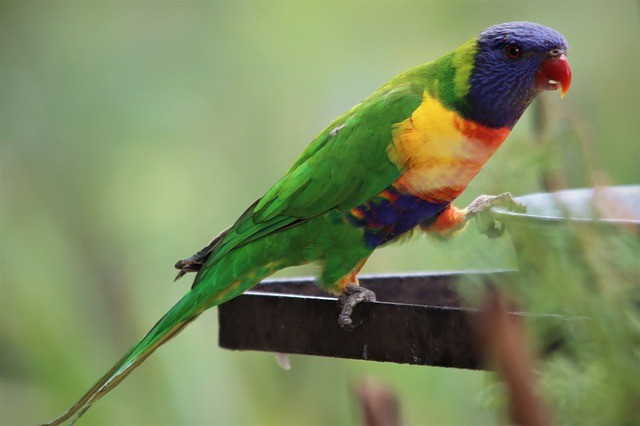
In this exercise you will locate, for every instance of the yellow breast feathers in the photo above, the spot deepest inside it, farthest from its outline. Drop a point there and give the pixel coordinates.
(439, 151)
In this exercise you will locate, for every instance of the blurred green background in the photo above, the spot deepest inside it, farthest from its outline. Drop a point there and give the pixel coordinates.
(133, 132)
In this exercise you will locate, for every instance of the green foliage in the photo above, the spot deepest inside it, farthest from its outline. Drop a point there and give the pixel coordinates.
(594, 378)
(578, 285)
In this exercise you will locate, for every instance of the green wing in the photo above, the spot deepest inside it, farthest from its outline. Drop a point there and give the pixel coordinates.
(344, 166)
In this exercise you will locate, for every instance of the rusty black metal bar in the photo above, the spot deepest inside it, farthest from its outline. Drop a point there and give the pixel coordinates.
(418, 319)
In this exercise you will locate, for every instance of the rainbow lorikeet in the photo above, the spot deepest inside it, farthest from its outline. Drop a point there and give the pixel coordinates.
(392, 164)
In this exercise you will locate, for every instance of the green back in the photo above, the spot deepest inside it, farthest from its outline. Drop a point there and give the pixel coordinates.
(347, 164)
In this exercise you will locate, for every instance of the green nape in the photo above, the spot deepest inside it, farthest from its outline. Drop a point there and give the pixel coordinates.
(447, 78)
(463, 62)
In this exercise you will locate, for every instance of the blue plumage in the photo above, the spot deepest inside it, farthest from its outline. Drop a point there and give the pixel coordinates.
(391, 214)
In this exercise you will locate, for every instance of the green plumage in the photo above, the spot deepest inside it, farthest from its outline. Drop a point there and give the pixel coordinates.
(344, 166)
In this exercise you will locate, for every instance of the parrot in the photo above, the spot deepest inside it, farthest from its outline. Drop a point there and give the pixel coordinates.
(390, 166)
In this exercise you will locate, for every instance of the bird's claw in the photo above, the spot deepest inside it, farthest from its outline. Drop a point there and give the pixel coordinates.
(353, 295)
(480, 209)
(486, 202)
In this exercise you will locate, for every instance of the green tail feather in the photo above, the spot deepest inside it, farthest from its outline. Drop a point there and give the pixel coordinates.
(231, 276)
(181, 314)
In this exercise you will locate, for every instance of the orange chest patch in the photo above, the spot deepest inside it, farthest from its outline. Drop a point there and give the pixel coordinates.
(440, 152)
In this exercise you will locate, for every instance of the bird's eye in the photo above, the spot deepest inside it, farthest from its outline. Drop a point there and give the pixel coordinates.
(512, 51)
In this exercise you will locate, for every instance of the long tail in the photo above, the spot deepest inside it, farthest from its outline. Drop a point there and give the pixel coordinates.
(181, 314)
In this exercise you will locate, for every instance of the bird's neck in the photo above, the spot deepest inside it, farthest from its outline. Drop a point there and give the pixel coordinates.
(452, 80)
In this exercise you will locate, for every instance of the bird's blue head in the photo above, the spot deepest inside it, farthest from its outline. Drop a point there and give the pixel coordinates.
(513, 64)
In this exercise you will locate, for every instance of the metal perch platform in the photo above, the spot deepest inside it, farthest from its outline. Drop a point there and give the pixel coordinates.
(418, 319)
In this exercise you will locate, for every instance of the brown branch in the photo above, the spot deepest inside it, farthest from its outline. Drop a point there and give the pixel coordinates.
(378, 404)
(506, 349)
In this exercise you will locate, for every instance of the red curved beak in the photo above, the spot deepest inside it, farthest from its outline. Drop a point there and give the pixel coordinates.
(554, 74)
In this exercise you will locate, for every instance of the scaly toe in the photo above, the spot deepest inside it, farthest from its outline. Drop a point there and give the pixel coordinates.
(353, 295)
